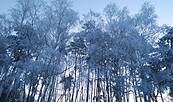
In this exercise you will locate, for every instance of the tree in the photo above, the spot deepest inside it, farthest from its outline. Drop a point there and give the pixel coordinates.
(110, 58)
(145, 22)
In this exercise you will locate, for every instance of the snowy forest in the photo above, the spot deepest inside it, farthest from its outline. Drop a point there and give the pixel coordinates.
(51, 53)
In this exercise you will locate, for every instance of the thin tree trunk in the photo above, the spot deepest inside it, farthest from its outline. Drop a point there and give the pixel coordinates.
(77, 92)
(107, 87)
(28, 96)
(40, 93)
(74, 81)
(161, 96)
(88, 86)
(51, 89)
(98, 86)
(24, 93)
(45, 91)
(34, 90)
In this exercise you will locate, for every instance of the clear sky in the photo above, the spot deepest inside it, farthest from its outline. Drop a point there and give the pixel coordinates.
(164, 8)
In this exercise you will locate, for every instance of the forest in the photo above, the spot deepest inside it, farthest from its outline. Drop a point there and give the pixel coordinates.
(51, 53)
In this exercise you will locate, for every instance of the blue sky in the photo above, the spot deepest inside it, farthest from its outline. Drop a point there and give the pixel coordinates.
(163, 7)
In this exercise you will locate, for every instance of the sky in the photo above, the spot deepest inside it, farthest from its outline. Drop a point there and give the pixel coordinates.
(163, 8)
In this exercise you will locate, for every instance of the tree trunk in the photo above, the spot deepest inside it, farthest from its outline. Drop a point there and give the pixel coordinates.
(75, 69)
(40, 93)
(107, 87)
(87, 96)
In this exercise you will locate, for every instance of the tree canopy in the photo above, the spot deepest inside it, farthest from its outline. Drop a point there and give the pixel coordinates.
(112, 57)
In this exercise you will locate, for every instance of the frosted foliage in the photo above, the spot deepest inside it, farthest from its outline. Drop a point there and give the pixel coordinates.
(110, 58)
